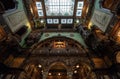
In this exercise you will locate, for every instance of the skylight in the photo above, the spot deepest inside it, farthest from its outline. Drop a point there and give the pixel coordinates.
(59, 7)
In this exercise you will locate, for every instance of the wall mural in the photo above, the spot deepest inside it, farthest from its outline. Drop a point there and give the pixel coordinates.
(101, 19)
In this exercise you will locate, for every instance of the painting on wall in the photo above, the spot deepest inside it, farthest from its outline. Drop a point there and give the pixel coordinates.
(101, 19)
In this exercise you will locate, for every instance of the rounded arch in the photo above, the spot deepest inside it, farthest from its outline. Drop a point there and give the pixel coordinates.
(83, 70)
(62, 64)
(74, 36)
(59, 38)
(57, 69)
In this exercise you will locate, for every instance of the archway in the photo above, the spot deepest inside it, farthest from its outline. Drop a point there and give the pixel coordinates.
(32, 71)
(83, 71)
(57, 71)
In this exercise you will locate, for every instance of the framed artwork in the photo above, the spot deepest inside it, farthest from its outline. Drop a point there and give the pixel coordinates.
(101, 19)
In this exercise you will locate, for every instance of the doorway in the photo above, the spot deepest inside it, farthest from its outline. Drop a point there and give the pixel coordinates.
(57, 71)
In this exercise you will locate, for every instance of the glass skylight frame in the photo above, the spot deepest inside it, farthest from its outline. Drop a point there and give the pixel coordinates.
(80, 5)
(59, 7)
(40, 12)
(63, 21)
(56, 21)
(59, 21)
(49, 21)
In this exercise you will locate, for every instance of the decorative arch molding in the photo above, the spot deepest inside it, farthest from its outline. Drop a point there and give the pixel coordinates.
(69, 62)
(74, 36)
(47, 60)
(47, 47)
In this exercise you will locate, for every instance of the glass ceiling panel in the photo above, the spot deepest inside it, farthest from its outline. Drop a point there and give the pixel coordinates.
(56, 21)
(59, 7)
(63, 21)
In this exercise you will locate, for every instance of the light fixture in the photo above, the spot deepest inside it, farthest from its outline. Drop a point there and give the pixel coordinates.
(42, 21)
(77, 66)
(77, 21)
(59, 74)
(39, 66)
(75, 71)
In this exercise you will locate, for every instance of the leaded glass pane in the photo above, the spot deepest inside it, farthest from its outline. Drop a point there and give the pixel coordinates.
(40, 12)
(59, 7)
(69, 21)
(39, 5)
(79, 12)
(80, 5)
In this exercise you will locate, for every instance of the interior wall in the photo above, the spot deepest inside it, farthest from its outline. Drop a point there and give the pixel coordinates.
(101, 17)
(17, 18)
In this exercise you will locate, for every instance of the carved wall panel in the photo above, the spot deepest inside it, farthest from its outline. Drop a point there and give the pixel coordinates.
(16, 20)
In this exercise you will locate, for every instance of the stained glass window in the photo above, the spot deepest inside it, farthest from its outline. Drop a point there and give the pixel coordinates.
(59, 7)
(40, 12)
(53, 21)
(63, 21)
(79, 12)
(49, 21)
(69, 21)
(39, 8)
(80, 5)
(56, 21)
(79, 8)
